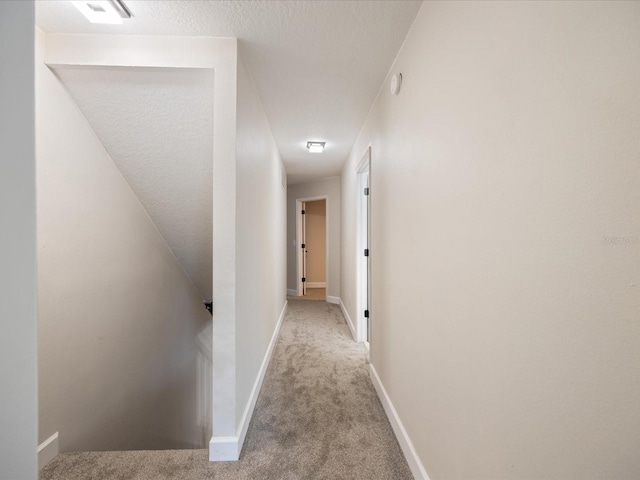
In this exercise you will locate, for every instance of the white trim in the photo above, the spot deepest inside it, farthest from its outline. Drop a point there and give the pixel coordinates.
(363, 165)
(298, 216)
(316, 284)
(334, 300)
(348, 320)
(48, 450)
(292, 293)
(65, 49)
(418, 470)
(363, 241)
(222, 449)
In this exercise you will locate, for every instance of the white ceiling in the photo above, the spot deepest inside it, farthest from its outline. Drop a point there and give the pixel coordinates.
(317, 65)
(157, 126)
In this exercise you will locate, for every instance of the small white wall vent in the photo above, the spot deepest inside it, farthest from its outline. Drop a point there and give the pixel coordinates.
(395, 83)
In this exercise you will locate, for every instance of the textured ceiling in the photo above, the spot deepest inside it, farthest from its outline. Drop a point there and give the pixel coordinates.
(317, 65)
(157, 125)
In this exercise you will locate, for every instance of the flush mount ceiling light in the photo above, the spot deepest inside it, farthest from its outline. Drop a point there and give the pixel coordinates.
(315, 147)
(103, 11)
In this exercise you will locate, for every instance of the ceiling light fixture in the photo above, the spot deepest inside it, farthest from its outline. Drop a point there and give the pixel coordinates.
(315, 147)
(103, 11)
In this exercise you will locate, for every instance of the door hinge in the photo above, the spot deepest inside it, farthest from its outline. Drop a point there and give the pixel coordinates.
(303, 245)
(366, 190)
(304, 279)
(366, 314)
(366, 252)
(303, 212)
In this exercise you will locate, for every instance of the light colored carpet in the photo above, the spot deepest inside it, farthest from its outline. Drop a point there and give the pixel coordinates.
(316, 294)
(317, 417)
(312, 294)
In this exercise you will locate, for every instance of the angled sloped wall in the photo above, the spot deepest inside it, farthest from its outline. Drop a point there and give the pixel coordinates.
(118, 318)
(156, 124)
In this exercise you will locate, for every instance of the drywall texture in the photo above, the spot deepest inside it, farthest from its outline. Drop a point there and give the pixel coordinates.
(316, 241)
(290, 50)
(18, 323)
(506, 239)
(260, 237)
(331, 188)
(118, 317)
(157, 126)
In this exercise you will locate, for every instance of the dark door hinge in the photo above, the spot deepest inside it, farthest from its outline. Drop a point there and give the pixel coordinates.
(366, 190)
(304, 279)
(303, 212)
(366, 314)
(366, 252)
(303, 245)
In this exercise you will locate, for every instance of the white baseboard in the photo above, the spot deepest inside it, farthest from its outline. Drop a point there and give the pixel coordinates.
(292, 293)
(224, 449)
(348, 319)
(255, 392)
(334, 300)
(316, 284)
(418, 470)
(48, 450)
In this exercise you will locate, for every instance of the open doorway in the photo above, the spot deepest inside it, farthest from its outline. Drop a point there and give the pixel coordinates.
(312, 254)
(363, 259)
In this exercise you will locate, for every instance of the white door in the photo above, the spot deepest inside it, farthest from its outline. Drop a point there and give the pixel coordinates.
(363, 254)
(367, 279)
(304, 249)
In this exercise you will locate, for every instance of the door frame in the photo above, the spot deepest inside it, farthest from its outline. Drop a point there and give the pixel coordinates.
(363, 226)
(299, 202)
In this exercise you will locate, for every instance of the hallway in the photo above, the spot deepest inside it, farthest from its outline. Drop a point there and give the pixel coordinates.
(317, 416)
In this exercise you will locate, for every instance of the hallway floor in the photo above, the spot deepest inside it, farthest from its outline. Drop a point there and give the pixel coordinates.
(312, 294)
(317, 417)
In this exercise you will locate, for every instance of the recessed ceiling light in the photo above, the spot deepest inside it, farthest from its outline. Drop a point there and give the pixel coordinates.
(103, 11)
(315, 147)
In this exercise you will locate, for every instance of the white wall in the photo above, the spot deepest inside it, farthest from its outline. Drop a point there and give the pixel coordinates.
(118, 317)
(236, 356)
(506, 239)
(331, 188)
(18, 340)
(260, 239)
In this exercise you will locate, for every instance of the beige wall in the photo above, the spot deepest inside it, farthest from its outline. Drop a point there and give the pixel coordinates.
(505, 190)
(316, 241)
(260, 257)
(18, 339)
(331, 188)
(118, 317)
